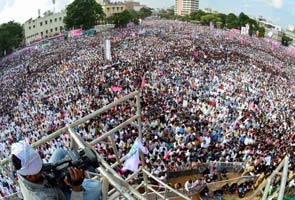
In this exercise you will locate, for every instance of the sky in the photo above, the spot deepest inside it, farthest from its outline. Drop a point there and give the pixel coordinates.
(280, 12)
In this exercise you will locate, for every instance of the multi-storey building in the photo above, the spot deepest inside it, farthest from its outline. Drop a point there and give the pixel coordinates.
(186, 7)
(50, 25)
(110, 8)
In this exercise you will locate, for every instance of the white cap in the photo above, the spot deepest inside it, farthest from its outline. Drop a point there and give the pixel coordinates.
(30, 160)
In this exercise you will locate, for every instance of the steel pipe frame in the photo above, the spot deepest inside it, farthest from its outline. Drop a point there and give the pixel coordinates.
(117, 128)
(140, 137)
(266, 183)
(284, 178)
(78, 122)
(165, 185)
(110, 174)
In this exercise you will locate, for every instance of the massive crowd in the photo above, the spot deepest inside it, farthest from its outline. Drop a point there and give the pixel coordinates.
(209, 95)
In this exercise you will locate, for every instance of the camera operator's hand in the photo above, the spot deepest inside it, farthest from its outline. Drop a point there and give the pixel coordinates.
(77, 177)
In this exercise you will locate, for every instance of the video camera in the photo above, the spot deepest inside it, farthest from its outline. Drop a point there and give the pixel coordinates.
(55, 173)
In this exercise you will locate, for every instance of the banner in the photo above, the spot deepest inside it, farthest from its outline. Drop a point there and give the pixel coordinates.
(143, 81)
(76, 32)
(235, 30)
(211, 26)
(107, 50)
(142, 31)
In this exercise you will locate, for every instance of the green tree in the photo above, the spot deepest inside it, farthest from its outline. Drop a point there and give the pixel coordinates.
(145, 12)
(232, 21)
(286, 41)
(223, 19)
(197, 15)
(168, 14)
(206, 19)
(253, 26)
(122, 19)
(261, 31)
(11, 36)
(243, 19)
(83, 13)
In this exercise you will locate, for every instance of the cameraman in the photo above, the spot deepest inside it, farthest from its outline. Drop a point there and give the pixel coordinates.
(34, 186)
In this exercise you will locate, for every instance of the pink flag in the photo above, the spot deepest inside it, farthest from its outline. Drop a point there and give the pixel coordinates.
(142, 81)
(275, 44)
(167, 154)
(266, 39)
(116, 89)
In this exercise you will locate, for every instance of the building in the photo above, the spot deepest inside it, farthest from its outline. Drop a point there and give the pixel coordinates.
(209, 10)
(271, 30)
(130, 5)
(186, 7)
(290, 34)
(112, 8)
(50, 25)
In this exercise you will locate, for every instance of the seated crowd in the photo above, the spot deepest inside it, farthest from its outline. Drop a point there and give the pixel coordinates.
(208, 96)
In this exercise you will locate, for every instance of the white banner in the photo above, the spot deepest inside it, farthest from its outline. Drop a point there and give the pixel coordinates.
(108, 55)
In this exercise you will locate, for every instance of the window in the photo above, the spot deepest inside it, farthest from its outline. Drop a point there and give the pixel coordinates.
(60, 18)
(41, 23)
(56, 28)
(51, 30)
(55, 19)
(29, 28)
(122, 8)
(118, 8)
(41, 34)
(61, 28)
(33, 26)
(46, 31)
(50, 21)
(45, 21)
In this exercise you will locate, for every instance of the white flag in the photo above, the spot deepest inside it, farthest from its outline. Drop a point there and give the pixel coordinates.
(132, 160)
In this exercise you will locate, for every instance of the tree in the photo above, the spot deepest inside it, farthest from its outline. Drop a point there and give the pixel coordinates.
(197, 15)
(232, 21)
(144, 12)
(11, 36)
(122, 19)
(286, 41)
(168, 14)
(261, 31)
(83, 13)
(243, 19)
(206, 19)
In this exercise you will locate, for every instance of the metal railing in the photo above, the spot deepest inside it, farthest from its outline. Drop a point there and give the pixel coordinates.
(109, 176)
(228, 167)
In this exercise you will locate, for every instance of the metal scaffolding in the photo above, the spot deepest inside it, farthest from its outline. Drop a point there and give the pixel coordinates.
(266, 184)
(107, 174)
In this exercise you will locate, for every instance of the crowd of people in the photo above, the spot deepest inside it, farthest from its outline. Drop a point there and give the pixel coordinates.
(209, 95)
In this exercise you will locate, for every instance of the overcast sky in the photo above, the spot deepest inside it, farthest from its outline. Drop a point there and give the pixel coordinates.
(281, 12)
